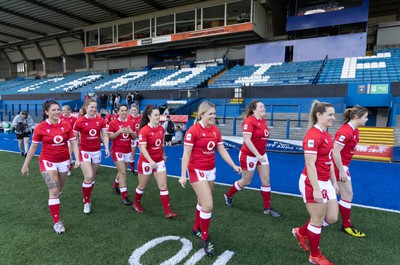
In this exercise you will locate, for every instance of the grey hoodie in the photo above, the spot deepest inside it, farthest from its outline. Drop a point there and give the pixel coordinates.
(22, 124)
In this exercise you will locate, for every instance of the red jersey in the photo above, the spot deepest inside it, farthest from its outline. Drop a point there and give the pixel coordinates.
(108, 118)
(122, 143)
(89, 130)
(318, 142)
(70, 119)
(259, 132)
(204, 142)
(153, 139)
(348, 137)
(136, 122)
(54, 138)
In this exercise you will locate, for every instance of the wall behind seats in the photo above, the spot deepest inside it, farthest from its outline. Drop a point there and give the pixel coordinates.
(350, 45)
(134, 62)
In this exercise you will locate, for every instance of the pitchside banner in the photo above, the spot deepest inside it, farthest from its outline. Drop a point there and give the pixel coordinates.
(374, 152)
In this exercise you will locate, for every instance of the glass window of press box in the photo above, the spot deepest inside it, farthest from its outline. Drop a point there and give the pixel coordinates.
(125, 32)
(141, 29)
(92, 37)
(185, 21)
(213, 16)
(165, 25)
(238, 12)
(106, 35)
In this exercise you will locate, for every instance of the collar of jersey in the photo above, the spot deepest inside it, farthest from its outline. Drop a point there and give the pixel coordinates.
(319, 128)
(351, 126)
(48, 121)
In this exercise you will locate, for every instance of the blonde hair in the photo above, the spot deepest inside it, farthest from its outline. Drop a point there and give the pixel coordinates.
(316, 107)
(203, 108)
(354, 112)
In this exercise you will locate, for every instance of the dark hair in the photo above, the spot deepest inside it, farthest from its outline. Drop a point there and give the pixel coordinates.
(251, 108)
(145, 117)
(46, 106)
(354, 112)
(121, 105)
(315, 108)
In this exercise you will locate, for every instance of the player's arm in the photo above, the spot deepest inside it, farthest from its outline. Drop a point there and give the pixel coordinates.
(337, 157)
(310, 160)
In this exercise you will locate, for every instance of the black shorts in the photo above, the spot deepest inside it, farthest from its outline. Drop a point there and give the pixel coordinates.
(168, 137)
(21, 136)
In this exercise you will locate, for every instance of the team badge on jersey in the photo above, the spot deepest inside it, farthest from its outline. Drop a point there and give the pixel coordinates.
(310, 144)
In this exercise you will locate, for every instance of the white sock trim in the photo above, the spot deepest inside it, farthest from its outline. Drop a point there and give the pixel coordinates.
(345, 204)
(237, 185)
(123, 189)
(198, 207)
(54, 201)
(204, 215)
(139, 191)
(314, 229)
(164, 192)
(266, 188)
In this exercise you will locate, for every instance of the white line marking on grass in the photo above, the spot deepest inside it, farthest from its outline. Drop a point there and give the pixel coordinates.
(224, 258)
(134, 259)
(196, 257)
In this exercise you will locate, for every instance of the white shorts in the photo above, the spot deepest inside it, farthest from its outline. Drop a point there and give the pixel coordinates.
(198, 175)
(326, 187)
(117, 156)
(135, 142)
(145, 168)
(250, 163)
(93, 157)
(61, 167)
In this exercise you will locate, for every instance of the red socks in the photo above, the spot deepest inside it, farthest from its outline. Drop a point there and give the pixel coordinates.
(54, 207)
(345, 210)
(266, 194)
(205, 220)
(235, 188)
(314, 236)
(87, 190)
(164, 196)
(138, 195)
(124, 192)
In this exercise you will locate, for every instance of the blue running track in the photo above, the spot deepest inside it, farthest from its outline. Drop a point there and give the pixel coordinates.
(375, 184)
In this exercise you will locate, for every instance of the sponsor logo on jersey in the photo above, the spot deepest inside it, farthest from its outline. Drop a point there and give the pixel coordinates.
(92, 132)
(341, 138)
(245, 127)
(310, 143)
(57, 139)
(189, 137)
(210, 145)
(158, 142)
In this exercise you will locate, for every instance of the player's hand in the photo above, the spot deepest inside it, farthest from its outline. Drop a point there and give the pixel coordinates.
(343, 177)
(182, 181)
(77, 164)
(107, 152)
(153, 165)
(261, 158)
(318, 196)
(25, 171)
(237, 169)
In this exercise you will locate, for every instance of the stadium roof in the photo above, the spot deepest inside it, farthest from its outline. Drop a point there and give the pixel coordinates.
(30, 20)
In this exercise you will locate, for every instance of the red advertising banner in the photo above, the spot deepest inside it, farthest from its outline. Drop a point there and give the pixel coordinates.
(374, 152)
